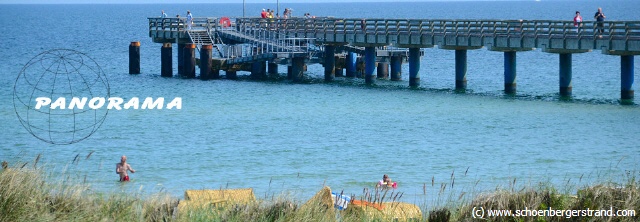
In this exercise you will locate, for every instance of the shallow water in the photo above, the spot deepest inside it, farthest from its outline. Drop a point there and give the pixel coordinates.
(278, 136)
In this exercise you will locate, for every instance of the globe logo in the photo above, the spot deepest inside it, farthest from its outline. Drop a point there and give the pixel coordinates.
(60, 75)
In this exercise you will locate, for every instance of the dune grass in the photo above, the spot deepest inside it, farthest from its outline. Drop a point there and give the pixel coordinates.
(26, 194)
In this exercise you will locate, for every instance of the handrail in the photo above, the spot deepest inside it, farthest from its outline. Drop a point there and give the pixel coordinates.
(536, 28)
(616, 28)
(276, 35)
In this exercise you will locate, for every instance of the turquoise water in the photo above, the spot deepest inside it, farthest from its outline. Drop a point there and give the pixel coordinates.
(278, 136)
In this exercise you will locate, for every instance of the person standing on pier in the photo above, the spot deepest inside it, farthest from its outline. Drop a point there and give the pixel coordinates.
(162, 17)
(577, 21)
(122, 168)
(287, 13)
(599, 17)
(271, 18)
(189, 20)
(270, 15)
(263, 14)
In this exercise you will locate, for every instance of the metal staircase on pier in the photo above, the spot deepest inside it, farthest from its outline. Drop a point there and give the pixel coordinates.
(264, 44)
(202, 37)
(268, 41)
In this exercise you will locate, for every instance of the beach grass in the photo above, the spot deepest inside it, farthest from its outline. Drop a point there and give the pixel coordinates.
(27, 194)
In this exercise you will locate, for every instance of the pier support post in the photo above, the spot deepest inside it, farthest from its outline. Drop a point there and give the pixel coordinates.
(461, 69)
(565, 68)
(215, 73)
(180, 59)
(510, 72)
(290, 72)
(231, 74)
(351, 64)
(414, 67)
(189, 60)
(329, 62)
(272, 68)
(205, 62)
(626, 77)
(396, 68)
(565, 74)
(134, 58)
(166, 62)
(258, 70)
(339, 72)
(383, 70)
(360, 67)
(369, 64)
(297, 68)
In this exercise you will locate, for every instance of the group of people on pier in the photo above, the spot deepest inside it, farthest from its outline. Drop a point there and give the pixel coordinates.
(188, 21)
(268, 14)
(599, 17)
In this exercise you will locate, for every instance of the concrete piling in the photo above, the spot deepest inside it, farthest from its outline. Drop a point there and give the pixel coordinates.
(461, 69)
(134, 58)
(206, 71)
(258, 70)
(383, 70)
(339, 72)
(297, 68)
(272, 68)
(369, 64)
(350, 64)
(396, 68)
(329, 63)
(231, 74)
(565, 74)
(565, 68)
(414, 67)
(510, 72)
(214, 73)
(626, 77)
(181, 59)
(189, 60)
(166, 62)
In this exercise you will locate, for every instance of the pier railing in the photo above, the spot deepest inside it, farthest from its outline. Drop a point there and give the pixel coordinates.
(405, 33)
(543, 28)
(546, 28)
(172, 28)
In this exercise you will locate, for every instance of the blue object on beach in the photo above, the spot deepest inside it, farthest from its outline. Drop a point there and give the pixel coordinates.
(340, 202)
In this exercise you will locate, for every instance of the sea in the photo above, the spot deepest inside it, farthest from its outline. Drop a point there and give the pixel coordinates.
(291, 139)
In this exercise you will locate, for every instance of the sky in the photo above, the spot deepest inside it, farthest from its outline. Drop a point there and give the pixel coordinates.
(189, 1)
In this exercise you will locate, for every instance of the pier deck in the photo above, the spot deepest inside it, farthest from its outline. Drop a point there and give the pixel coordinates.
(337, 42)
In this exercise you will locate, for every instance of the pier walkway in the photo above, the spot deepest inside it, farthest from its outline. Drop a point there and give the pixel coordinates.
(361, 45)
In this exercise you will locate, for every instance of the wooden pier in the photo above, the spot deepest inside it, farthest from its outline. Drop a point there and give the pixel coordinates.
(363, 45)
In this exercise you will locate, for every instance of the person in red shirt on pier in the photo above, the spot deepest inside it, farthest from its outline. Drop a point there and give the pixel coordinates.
(577, 21)
(263, 14)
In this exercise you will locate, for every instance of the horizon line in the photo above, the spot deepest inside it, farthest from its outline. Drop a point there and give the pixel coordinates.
(65, 2)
